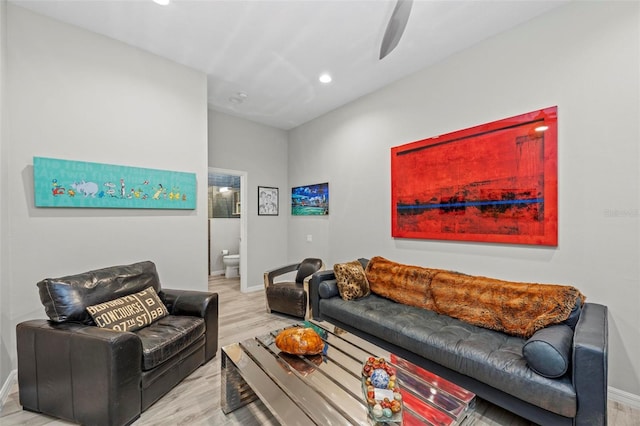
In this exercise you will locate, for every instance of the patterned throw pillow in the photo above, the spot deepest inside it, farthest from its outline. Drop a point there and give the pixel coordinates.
(130, 312)
(351, 279)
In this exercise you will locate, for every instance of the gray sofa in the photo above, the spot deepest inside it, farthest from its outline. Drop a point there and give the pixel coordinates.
(486, 362)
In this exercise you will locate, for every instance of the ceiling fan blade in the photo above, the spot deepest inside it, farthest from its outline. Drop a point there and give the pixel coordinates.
(395, 27)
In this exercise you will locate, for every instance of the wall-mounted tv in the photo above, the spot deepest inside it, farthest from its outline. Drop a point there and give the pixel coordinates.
(310, 200)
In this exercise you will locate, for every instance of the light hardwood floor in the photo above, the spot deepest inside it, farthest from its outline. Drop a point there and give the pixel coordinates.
(196, 401)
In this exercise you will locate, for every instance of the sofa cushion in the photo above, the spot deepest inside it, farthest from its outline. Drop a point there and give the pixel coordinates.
(167, 337)
(574, 316)
(351, 279)
(548, 351)
(129, 313)
(489, 356)
(364, 262)
(67, 298)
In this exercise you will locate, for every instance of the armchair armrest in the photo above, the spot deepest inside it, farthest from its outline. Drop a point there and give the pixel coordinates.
(199, 304)
(590, 365)
(86, 374)
(305, 287)
(271, 275)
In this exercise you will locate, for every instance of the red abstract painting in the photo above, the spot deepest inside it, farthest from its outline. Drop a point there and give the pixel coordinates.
(497, 182)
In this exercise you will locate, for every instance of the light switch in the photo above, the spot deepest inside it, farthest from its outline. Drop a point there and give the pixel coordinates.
(309, 238)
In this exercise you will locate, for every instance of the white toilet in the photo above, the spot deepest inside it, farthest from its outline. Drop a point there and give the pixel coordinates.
(231, 263)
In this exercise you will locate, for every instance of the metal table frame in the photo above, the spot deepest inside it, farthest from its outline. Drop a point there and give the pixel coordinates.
(326, 389)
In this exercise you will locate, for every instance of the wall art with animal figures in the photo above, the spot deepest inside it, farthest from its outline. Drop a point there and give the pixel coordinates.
(66, 183)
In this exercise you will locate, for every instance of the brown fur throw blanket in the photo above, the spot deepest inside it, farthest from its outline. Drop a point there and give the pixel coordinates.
(515, 308)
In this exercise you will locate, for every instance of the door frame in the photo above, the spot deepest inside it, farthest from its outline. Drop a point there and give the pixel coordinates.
(243, 220)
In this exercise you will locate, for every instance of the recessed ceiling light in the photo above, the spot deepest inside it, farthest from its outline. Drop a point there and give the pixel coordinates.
(162, 2)
(325, 78)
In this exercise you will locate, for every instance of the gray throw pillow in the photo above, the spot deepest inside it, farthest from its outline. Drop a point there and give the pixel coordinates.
(328, 289)
(548, 351)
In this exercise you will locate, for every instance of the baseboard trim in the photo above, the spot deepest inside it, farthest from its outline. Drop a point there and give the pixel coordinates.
(6, 387)
(624, 398)
(254, 288)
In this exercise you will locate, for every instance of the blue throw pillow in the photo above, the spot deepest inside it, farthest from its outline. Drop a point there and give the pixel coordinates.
(548, 351)
(328, 289)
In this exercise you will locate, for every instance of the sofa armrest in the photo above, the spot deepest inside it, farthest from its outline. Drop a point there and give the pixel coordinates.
(200, 304)
(314, 285)
(86, 374)
(590, 365)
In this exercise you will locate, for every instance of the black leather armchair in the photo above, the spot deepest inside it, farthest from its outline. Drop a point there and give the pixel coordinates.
(291, 297)
(72, 369)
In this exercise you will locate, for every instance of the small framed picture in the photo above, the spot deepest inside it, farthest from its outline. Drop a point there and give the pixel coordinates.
(267, 201)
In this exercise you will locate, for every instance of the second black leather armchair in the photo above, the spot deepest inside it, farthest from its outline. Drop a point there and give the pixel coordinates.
(291, 297)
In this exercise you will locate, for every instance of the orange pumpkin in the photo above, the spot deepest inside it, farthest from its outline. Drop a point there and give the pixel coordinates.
(299, 341)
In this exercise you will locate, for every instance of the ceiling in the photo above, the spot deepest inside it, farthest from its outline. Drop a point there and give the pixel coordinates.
(263, 57)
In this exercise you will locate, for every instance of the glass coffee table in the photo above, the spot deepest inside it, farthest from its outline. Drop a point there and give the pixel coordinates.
(326, 389)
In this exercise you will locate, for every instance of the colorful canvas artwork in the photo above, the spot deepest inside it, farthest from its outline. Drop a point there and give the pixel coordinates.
(310, 200)
(65, 183)
(496, 182)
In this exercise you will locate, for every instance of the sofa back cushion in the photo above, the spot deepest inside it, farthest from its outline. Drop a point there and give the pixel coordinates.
(67, 298)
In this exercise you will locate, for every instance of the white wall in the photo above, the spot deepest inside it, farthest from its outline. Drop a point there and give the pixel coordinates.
(5, 302)
(584, 58)
(261, 151)
(225, 235)
(76, 95)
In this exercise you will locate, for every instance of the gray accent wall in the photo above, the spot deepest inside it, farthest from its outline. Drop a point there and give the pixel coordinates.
(75, 95)
(225, 235)
(6, 350)
(583, 57)
(261, 152)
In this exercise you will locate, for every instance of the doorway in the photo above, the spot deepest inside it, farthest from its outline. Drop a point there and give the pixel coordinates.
(227, 219)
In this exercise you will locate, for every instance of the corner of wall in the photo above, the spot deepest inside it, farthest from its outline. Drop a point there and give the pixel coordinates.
(5, 332)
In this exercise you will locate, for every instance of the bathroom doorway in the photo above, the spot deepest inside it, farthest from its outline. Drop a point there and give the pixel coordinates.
(227, 220)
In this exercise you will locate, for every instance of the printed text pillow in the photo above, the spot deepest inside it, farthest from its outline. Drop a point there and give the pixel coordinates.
(130, 312)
